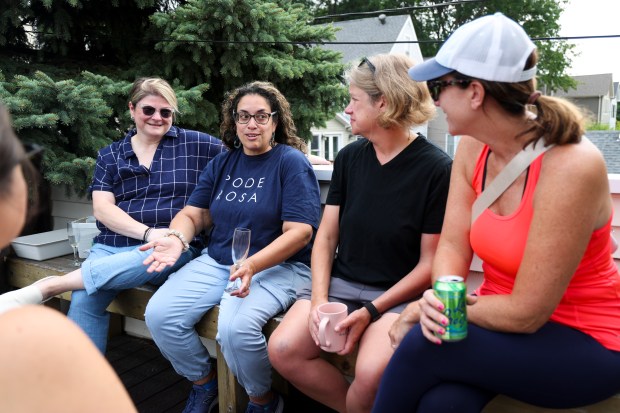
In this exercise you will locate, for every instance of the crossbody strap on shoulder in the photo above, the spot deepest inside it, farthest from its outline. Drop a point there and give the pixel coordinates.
(507, 176)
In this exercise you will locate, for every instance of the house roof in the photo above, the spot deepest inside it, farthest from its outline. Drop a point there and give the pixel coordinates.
(590, 86)
(372, 29)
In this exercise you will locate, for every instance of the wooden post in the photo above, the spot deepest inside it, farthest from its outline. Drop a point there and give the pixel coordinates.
(232, 397)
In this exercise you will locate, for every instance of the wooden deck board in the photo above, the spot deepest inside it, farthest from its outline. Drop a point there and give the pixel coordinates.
(155, 387)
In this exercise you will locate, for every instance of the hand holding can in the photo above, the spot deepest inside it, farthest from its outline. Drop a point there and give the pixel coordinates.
(452, 291)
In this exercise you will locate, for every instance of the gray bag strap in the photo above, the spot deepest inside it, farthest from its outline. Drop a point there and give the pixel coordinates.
(506, 177)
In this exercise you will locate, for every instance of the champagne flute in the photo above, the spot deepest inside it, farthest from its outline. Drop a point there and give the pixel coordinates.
(240, 250)
(73, 233)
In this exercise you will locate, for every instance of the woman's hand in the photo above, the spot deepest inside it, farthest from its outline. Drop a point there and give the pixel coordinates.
(432, 319)
(407, 319)
(166, 251)
(244, 271)
(314, 321)
(356, 323)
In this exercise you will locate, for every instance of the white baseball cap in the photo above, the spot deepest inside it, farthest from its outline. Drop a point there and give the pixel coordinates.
(492, 47)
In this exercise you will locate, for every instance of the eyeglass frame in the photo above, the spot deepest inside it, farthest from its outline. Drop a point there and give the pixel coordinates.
(269, 115)
(372, 67)
(165, 113)
(436, 86)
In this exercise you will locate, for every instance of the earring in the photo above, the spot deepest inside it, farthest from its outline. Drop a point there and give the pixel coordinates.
(272, 142)
(237, 142)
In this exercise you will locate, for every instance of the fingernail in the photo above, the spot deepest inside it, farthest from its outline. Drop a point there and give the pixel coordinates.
(441, 331)
(444, 321)
(441, 307)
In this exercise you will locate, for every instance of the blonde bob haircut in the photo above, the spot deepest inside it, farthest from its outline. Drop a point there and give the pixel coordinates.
(153, 86)
(408, 102)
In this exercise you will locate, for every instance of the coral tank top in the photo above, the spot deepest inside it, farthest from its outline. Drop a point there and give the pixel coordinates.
(591, 302)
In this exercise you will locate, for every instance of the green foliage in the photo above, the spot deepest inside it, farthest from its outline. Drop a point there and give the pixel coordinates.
(598, 126)
(70, 118)
(241, 48)
(66, 67)
(538, 17)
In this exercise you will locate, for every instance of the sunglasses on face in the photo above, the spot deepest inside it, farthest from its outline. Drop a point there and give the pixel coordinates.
(244, 117)
(435, 86)
(150, 111)
(372, 67)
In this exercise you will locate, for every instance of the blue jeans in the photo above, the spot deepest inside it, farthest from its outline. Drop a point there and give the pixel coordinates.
(106, 272)
(192, 291)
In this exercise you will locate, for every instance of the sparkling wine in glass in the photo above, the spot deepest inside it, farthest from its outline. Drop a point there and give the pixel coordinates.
(240, 250)
(73, 233)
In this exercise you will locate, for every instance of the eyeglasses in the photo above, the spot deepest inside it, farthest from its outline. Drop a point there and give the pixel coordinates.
(150, 111)
(372, 67)
(435, 86)
(244, 117)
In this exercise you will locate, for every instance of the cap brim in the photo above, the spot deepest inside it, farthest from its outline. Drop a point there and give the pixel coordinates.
(428, 70)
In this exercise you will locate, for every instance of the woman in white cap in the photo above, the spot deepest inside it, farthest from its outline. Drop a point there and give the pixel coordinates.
(544, 326)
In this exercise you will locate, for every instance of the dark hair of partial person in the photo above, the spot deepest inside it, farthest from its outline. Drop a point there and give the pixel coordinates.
(286, 132)
(408, 102)
(12, 154)
(153, 86)
(557, 121)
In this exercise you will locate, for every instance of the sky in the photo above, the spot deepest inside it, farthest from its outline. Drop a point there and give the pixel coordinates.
(593, 18)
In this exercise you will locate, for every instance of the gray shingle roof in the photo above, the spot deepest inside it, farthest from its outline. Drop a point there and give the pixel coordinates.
(371, 29)
(608, 142)
(590, 86)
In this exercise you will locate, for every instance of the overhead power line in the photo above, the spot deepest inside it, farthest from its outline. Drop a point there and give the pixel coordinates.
(312, 42)
(397, 10)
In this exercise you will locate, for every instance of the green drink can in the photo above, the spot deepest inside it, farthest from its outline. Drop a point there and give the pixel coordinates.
(451, 290)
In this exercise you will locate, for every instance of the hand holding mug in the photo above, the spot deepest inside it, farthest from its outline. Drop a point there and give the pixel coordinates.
(331, 314)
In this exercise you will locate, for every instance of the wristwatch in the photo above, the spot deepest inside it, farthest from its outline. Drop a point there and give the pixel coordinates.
(374, 313)
(180, 236)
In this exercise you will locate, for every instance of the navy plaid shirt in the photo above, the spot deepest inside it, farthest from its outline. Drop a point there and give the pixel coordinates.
(152, 196)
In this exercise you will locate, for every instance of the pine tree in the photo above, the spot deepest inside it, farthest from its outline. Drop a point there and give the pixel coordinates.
(66, 67)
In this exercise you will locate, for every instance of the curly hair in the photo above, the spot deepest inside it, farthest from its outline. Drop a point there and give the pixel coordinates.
(286, 132)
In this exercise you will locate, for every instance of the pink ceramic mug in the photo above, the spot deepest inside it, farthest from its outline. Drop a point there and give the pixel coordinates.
(331, 314)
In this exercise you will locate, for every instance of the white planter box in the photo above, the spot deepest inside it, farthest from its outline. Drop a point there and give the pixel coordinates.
(42, 246)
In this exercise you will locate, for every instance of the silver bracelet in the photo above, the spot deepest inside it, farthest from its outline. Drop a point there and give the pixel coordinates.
(180, 236)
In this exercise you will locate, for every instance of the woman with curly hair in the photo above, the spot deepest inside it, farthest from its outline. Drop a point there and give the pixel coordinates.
(266, 184)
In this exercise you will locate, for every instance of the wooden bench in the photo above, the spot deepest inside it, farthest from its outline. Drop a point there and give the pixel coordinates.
(132, 303)
(232, 398)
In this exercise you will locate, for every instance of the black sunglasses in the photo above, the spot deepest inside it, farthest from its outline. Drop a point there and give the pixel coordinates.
(435, 86)
(372, 67)
(150, 111)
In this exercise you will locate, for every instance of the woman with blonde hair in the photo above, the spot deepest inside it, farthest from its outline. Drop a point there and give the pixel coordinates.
(139, 184)
(377, 237)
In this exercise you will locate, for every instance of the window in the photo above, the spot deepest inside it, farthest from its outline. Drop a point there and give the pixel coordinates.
(326, 145)
(451, 143)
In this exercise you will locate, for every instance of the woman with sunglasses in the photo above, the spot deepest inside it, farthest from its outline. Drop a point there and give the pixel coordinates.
(39, 343)
(139, 184)
(377, 237)
(266, 184)
(544, 326)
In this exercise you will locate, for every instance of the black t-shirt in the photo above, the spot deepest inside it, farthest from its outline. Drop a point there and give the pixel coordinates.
(385, 209)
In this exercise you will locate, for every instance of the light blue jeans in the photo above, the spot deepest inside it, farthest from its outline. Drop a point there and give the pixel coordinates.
(106, 272)
(196, 288)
